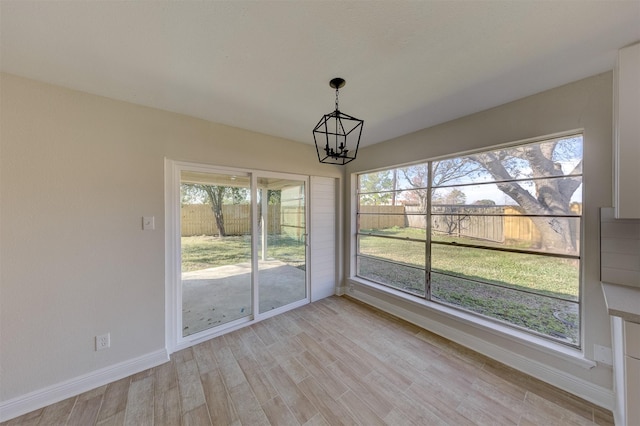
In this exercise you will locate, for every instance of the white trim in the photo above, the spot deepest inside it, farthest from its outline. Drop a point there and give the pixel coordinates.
(598, 395)
(255, 256)
(171, 211)
(210, 333)
(51, 394)
(340, 237)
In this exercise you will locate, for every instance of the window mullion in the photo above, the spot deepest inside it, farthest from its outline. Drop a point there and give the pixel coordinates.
(427, 266)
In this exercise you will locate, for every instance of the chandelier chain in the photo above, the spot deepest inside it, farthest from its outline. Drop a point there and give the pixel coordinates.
(337, 90)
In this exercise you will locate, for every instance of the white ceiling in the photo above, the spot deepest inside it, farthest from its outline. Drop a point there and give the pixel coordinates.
(266, 65)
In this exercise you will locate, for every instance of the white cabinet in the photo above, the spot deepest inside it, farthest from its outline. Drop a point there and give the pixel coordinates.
(627, 133)
(626, 365)
(632, 371)
(633, 390)
(632, 339)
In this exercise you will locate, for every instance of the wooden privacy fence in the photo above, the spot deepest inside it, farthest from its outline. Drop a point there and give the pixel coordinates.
(292, 222)
(500, 224)
(522, 228)
(448, 220)
(198, 219)
(383, 217)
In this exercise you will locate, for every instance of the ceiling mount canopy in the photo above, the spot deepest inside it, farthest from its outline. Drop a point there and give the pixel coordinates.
(337, 135)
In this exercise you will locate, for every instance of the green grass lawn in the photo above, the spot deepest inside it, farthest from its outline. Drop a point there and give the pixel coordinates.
(541, 274)
(201, 252)
(457, 270)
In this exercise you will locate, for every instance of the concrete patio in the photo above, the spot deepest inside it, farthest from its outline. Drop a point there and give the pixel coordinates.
(214, 296)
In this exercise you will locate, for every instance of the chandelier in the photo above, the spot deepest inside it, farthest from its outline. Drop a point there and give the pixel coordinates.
(337, 135)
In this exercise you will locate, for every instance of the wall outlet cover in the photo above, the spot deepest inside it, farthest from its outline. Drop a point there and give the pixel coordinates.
(103, 341)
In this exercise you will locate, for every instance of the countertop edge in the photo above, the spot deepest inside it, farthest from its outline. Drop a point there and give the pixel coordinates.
(622, 301)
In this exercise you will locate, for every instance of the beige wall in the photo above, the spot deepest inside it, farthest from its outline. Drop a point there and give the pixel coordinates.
(77, 173)
(586, 104)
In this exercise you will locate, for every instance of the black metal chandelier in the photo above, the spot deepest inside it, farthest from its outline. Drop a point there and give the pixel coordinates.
(337, 135)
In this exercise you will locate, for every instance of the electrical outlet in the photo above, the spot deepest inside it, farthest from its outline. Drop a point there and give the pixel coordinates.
(103, 341)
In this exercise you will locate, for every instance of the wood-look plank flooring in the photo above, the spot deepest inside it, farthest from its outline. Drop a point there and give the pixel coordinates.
(332, 362)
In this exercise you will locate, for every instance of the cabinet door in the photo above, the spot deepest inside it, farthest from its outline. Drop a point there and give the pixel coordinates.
(627, 133)
(633, 390)
(632, 339)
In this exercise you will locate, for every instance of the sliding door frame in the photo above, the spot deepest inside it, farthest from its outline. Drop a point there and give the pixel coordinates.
(174, 340)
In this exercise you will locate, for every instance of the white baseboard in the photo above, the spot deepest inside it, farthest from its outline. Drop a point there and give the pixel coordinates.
(50, 395)
(598, 395)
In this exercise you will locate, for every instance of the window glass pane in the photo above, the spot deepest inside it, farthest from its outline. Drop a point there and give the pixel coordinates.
(402, 277)
(382, 202)
(215, 222)
(375, 182)
(397, 225)
(412, 177)
(281, 242)
(407, 197)
(551, 276)
(459, 170)
(416, 220)
(417, 198)
(557, 319)
(396, 250)
(557, 196)
(556, 157)
(464, 225)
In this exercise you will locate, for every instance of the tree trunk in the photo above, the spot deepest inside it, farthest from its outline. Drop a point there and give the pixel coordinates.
(216, 198)
(552, 196)
(217, 212)
(555, 232)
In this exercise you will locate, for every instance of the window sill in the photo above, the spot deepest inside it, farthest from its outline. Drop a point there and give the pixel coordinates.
(574, 356)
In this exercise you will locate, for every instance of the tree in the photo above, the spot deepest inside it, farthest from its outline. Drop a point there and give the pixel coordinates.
(238, 195)
(375, 188)
(274, 196)
(192, 194)
(216, 196)
(216, 199)
(455, 196)
(452, 214)
(444, 172)
(547, 196)
(417, 176)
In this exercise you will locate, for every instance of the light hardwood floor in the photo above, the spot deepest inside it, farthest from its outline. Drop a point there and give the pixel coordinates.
(332, 362)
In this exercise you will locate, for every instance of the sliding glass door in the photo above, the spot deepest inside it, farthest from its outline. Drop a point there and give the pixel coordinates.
(242, 249)
(215, 230)
(282, 242)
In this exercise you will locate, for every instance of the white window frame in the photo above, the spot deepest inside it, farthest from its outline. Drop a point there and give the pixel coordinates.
(573, 353)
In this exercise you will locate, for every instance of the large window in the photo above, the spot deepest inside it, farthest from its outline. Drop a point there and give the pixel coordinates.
(496, 233)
